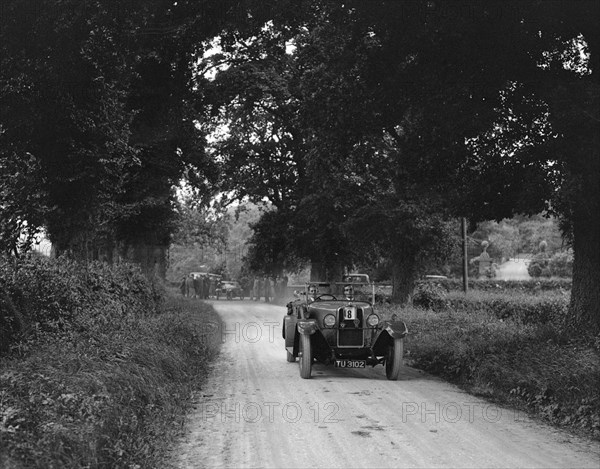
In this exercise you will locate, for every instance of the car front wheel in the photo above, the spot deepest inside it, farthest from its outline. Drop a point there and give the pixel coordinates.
(393, 359)
(306, 357)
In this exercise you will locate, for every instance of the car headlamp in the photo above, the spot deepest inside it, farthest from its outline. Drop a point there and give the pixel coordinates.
(372, 320)
(329, 320)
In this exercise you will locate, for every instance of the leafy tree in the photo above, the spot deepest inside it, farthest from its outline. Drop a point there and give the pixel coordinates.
(542, 150)
(428, 109)
(267, 246)
(521, 234)
(63, 107)
(240, 217)
(539, 266)
(496, 101)
(390, 206)
(101, 94)
(561, 264)
(314, 145)
(489, 104)
(200, 236)
(22, 202)
(266, 155)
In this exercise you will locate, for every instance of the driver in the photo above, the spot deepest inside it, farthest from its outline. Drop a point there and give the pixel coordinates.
(349, 292)
(313, 293)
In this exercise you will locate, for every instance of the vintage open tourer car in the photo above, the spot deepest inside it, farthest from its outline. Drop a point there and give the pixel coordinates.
(343, 333)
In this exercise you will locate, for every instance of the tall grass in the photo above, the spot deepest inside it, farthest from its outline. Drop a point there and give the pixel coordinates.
(114, 398)
(530, 364)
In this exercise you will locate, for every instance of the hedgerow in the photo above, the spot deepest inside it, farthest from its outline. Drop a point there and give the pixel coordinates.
(525, 286)
(58, 295)
(519, 305)
(102, 375)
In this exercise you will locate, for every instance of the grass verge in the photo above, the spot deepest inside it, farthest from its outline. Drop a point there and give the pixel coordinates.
(535, 367)
(110, 396)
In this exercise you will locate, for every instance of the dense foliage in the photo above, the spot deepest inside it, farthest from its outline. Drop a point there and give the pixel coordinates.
(523, 286)
(525, 304)
(559, 264)
(43, 297)
(100, 369)
(351, 118)
(397, 115)
(510, 238)
(98, 123)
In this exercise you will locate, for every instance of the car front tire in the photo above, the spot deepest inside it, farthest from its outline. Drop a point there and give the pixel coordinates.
(306, 357)
(393, 359)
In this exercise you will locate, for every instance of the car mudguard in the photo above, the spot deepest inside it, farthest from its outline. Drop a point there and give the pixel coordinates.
(389, 331)
(396, 329)
(289, 330)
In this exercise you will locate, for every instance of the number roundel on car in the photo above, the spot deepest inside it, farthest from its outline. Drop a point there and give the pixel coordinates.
(350, 313)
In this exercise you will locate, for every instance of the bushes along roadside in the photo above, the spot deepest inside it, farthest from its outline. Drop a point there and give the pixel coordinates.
(101, 369)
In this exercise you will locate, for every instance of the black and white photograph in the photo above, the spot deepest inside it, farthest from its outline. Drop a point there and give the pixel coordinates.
(299, 234)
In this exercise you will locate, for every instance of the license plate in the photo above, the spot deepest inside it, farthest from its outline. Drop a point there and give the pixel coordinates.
(351, 363)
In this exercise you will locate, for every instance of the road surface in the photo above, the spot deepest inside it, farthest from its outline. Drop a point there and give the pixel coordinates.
(256, 411)
(513, 269)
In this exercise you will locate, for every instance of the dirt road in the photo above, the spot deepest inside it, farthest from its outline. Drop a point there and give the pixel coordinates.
(256, 411)
(513, 269)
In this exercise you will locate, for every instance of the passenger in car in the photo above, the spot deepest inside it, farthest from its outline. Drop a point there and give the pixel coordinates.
(313, 292)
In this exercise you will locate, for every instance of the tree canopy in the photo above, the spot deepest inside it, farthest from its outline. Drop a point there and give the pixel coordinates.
(420, 111)
(369, 126)
(98, 102)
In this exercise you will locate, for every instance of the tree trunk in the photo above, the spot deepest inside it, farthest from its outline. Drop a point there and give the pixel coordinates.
(335, 273)
(317, 271)
(585, 295)
(320, 272)
(152, 258)
(403, 280)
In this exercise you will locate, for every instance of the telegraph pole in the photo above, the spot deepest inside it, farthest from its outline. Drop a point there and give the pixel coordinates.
(465, 264)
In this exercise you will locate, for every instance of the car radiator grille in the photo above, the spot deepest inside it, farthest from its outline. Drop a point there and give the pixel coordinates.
(351, 335)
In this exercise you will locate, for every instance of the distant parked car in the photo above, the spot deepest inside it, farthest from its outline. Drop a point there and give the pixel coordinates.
(356, 278)
(229, 289)
(435, 277)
